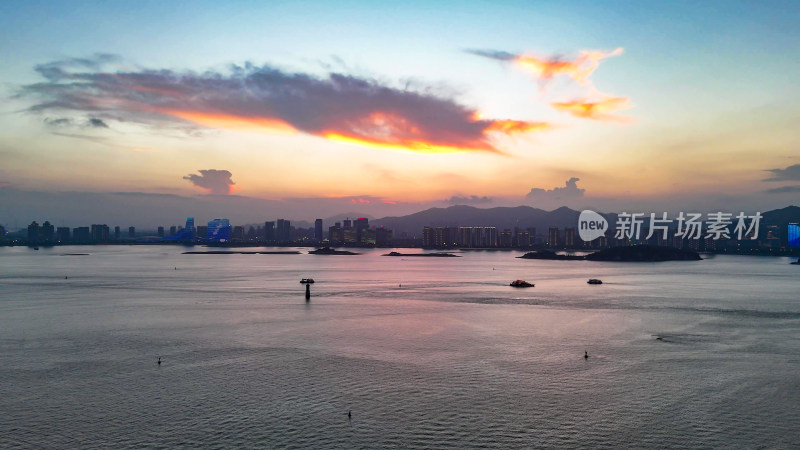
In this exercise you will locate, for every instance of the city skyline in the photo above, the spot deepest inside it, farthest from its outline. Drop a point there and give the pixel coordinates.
(293, 108)
(565, 230)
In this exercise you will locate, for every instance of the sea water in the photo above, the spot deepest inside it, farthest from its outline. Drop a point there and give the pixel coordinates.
(424, 352)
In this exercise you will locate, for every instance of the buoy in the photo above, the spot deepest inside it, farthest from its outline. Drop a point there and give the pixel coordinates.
(308, 292)
(159, 360)
(586, 355)
(349, 415)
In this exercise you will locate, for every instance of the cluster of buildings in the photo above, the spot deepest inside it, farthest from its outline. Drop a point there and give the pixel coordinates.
(476, 237)
(217, 231)
(47, 233)
(357, 232)
(568, 238)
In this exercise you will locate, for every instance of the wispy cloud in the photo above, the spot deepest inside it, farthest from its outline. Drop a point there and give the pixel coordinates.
(213, 181)
(336, 106)
(547, 68)
(91, 122)
(593, 105)
(791, 173)
(596, 110)
(783, 190)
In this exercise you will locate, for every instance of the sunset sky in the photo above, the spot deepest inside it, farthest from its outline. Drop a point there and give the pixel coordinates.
(388, 108)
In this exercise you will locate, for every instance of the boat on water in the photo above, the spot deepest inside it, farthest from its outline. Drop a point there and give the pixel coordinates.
(307, 280)
(521, 283)
(796, 263)
(594, 281)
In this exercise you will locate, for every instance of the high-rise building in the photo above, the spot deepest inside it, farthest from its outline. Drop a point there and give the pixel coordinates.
(219, 230)
(81, 234)
(383, 237)
(117, 233)
(362, 223)
(99, 233)
(283, 231)
(439, 237)
(552, 237)
(465, 237)
(131, 232)
(793, 232)
(477, 237)
(569, 237)
(33, 233)
(237, 234)
(318, 230)
(368, 236)
(189, 228)
(48, 232)
(451, 236)
(523, 239)
(488, 237)
(269, 232)
(62, 234)
(506, 237)
(161, 232)
(427, 237)
(336, 234)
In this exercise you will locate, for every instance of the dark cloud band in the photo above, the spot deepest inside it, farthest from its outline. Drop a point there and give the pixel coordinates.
(336, 106)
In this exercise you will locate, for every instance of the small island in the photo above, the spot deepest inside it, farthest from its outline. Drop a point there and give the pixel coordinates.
(431, 255)
(549, 254)
(633, 253)
(228, 252)
(330, 251)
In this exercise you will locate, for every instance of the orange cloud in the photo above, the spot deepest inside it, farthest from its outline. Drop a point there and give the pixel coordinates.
(232, 122)
(599, 110)
(339, 107)
(579, 69)
(410, 138)
(509, 127)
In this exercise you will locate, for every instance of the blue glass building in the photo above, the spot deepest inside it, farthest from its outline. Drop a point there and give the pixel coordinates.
(189, 229)
(794, 235)
(219, 230)
(184, 235)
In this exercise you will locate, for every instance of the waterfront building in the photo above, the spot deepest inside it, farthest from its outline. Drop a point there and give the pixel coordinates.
(62, 235)
(318, 237)
(552, 237)
(219, 230)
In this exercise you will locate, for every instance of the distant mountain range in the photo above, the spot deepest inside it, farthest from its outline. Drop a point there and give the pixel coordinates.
(500, 217)
(510, 217)
(526, 217)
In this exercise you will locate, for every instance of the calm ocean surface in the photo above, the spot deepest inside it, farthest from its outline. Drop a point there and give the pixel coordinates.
(453, 358)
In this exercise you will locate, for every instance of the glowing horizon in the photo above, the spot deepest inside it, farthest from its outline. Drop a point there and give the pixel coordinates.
(323, 102)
